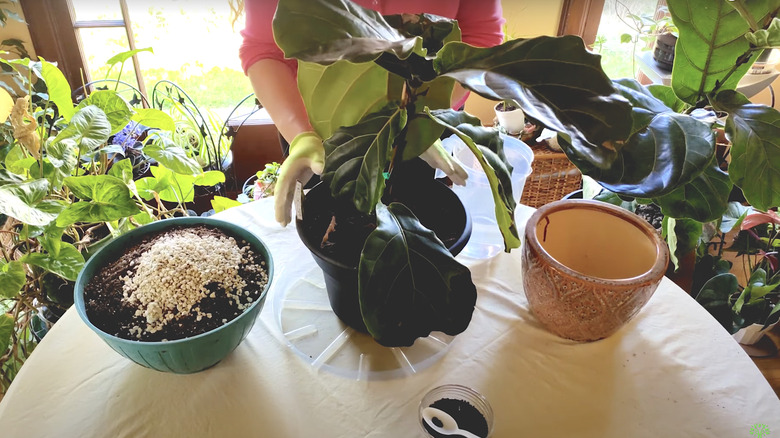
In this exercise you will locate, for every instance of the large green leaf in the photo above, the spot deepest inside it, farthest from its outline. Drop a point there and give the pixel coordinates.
(422, 131)
(714, 296)
(754, 132)
(766, 38)
(67, 263)
(63, 157)
(22, 201)
(163, 149)
(488, 147)
(209, 178)
(326, 31)
(12, 279)
(356, 157)
(221, 203)
(170, 186)
(124, 56)
(154, 118)
(6, 331)
(554, 80)
(89, 129)
(103, 198)
(341, 94)
(704, 199)
(7, 177)
(433, 29)
(733, 217)
(665, 150)
(58, 88)
(409, 283)
(117, 110)
(711, 39)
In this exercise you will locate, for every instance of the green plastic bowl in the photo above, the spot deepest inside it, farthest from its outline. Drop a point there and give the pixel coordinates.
(181, 356)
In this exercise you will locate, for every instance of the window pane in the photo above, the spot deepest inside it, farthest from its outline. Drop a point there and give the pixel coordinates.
(87, 10)
(99, 45)
(622, 33)
(194, 46)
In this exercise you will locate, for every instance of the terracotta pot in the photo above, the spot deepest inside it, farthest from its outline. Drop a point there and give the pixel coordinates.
(589, 267)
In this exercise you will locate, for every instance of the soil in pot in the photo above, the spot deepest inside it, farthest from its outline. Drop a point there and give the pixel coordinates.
(175, 284)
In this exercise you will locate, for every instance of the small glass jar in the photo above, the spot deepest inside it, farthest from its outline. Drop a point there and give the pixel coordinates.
(463, 404)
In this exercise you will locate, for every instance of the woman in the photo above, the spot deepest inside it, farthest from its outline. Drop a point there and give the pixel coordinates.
(274, 80)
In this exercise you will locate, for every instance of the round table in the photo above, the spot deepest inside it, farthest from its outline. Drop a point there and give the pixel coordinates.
(671, 371)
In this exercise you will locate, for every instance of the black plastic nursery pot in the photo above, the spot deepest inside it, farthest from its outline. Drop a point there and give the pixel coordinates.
(435, 205)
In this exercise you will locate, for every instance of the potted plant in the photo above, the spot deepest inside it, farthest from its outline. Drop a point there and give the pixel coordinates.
(401, 68)
(748, 311)
(62, 196)
(510, 117)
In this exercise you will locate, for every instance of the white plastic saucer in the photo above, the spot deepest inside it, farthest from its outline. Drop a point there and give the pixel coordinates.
(317, 335)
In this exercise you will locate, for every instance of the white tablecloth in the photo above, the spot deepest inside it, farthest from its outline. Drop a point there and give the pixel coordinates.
(671, 372)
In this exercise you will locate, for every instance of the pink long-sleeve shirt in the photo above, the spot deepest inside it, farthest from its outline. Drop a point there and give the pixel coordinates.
(480, 22)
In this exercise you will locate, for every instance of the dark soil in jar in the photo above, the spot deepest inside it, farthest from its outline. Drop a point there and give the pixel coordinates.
(652, 214)
(465, 415)
(108, 311)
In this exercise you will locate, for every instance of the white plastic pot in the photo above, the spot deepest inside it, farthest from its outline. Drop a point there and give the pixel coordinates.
(751, 334)
(512, 121)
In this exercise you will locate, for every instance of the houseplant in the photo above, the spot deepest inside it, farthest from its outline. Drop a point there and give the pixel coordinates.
(62, 196)
(752, 306)
(401, 68)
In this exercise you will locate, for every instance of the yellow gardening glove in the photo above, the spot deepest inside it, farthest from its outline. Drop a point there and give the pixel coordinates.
(307, 157)
(438, 158)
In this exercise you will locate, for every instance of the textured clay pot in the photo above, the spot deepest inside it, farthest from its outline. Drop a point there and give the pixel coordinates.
(589, 267)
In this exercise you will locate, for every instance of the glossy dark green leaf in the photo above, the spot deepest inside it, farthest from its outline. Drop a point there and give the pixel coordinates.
(422, 131)
(166, 152)
(488, 147)
(712, 38)
(754, 132)
(433, 29)
(22, 200)
(703, 199)
(665, 94)
(116, 109)
(89, 129)
(103, 198)
(665, 149)
(67, 264)
(714, 296)
(409, 283)
(361, 153)
(12, 279)
(326, 31)
(554, 80)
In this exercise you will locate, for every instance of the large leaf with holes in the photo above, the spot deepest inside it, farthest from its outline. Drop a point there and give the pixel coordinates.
(666, 150)
(711, 39)
(488, 147)
(754, 132)
(554, 80)
(102, 198)
(89, 129)
(409, 283)
(357, 157)
(326, 31)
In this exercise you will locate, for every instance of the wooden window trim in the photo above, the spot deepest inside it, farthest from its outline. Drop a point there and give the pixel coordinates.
(581, 17)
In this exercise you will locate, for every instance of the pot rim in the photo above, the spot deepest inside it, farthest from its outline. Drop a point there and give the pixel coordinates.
(314, 249)
(657, 270)
(160, 225)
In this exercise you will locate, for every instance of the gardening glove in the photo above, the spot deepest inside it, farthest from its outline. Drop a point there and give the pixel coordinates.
(307, 157)
(438, 158)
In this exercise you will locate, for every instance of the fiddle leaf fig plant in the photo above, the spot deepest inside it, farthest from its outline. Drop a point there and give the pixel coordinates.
(393, 76)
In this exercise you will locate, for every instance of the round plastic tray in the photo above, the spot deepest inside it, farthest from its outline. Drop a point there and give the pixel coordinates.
(317, 335)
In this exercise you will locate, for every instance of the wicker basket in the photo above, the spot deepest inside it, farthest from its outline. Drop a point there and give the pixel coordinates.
(553, 176)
